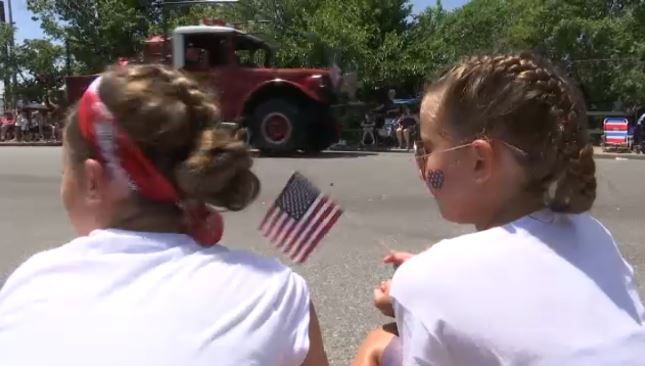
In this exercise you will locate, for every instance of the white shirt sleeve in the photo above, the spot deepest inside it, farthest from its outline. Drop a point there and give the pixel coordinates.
(420, 346)
(420, 326)
(293, 304)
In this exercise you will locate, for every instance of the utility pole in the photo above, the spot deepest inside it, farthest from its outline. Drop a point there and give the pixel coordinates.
(5, 56)
(14, 80)
(164, 26)
(68, 57)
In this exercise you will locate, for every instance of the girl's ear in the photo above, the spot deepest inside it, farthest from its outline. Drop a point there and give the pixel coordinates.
(96, 182)
(483, 160)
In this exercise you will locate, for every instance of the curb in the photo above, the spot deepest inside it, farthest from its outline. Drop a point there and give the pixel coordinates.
(599, 154)
(631, 156)
(31, 143)
(374, 150)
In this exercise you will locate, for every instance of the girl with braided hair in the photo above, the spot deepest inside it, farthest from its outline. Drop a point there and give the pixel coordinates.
(504, 147)
(147, 282)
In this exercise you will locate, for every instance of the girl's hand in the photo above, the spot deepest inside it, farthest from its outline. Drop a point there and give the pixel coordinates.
(382, 299)
(397, 258)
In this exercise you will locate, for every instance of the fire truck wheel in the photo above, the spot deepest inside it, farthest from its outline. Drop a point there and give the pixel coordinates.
(276, 128)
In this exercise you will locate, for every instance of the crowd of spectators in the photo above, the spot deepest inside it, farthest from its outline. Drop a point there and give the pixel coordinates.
(34, 123)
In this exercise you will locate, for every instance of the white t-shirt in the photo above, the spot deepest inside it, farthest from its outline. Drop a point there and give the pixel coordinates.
(547, 289)
(131, 299)
(22, 121)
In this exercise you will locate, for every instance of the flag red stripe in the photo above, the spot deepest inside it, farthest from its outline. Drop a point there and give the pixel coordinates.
(279, 240)
(312, 229)
(273, 222)
(268, 226)
(305, 225)
(287, 234)
(266, 217)
(277, 233)
(320, 235)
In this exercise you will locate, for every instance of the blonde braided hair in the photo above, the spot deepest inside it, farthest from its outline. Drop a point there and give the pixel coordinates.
(525, 101)
(175, 123)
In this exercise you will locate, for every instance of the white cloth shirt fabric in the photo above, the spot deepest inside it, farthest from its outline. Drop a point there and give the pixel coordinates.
(641, 119)
(22, 121)
(131, 299)
(548, 289)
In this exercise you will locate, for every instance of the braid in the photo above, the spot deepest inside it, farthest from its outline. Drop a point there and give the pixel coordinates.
(575, 182)
(175, 123)
(200, 103)
(525, 99)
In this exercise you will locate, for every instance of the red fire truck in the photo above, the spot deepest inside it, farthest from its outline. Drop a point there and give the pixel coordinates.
(284, 110)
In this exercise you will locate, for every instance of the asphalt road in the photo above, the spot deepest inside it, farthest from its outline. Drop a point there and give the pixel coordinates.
(382, 199)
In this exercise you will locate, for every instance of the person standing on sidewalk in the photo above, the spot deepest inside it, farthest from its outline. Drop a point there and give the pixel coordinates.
(6, 123)
(22, 125)
(639, 134)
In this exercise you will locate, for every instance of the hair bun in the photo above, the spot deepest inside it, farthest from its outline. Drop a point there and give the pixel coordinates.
(218, 172)
(576, 189)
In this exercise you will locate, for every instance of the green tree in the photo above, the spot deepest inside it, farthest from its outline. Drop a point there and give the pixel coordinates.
(598, 42)
(40, 67)
(98, 31)
(429, 48)
(595, 41)
(7, 62)
(367, 36)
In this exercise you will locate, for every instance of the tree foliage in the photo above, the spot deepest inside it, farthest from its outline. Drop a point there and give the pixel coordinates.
(97, 31)
(37, 65)
(40, 66)
(598, 42)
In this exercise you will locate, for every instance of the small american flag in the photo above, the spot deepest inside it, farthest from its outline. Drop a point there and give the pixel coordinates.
(299, 218)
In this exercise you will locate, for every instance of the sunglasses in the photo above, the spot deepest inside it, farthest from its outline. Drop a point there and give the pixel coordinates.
(421, 154)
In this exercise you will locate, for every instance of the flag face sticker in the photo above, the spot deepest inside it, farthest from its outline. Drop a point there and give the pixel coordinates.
(435, 179)
(300, 218)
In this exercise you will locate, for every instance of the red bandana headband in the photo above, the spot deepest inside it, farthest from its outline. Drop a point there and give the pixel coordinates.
(130, 168)
(122, 156)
